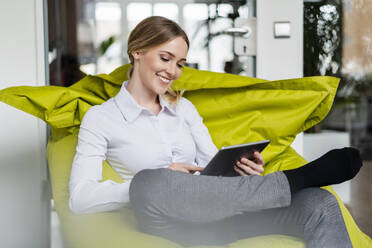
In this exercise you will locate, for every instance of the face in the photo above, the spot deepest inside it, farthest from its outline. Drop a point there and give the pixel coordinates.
(158, 67)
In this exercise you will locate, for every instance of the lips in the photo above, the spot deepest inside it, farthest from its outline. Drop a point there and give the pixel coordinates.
(164, 79)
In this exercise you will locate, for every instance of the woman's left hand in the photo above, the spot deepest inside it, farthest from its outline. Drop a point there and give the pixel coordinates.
(247, 167)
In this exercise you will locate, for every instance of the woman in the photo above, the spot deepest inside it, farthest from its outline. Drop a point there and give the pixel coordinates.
(156, 141)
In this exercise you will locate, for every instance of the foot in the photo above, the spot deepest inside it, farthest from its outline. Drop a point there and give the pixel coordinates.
(336, 166)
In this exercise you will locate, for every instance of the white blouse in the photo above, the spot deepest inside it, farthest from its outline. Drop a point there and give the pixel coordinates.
(131, 138)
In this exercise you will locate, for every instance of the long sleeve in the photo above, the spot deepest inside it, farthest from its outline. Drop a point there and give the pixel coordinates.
(205, 148)
(87, 193)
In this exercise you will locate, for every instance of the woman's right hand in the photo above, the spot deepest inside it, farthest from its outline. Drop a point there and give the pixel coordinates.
(188, 168)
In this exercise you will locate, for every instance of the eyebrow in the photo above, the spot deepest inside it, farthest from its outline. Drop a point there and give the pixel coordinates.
(171, 54)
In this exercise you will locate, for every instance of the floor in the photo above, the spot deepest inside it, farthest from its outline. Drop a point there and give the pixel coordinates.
(56, 240)
(360, 205)
(358, 201)
(55, 232)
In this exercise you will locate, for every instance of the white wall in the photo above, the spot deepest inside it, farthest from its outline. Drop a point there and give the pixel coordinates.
(280, 58)
(315, 145)
(24, 207)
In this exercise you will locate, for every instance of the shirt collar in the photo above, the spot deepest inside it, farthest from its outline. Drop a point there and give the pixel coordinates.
(166, 105)
(131, 109)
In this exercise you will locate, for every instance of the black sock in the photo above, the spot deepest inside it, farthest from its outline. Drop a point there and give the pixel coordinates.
(336, 166)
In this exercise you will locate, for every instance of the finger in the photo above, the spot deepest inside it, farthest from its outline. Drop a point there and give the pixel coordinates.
(247, 169)
(260, 169)
(182, 169)
(258, 158)
(191, 167)
(240, 172)
(193, 171)
(178, 169)
(252, 165)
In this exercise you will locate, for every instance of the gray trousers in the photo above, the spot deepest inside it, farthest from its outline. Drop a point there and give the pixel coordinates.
(207, 210)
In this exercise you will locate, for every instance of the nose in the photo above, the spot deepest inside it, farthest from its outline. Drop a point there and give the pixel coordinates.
(172, 69)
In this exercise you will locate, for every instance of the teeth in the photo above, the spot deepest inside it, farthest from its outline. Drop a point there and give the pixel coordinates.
(164, 79)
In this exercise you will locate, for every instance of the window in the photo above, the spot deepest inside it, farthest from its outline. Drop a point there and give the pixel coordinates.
(136, 12)
(102, 28)
(108, 30)
(195, 26)
(168, 10)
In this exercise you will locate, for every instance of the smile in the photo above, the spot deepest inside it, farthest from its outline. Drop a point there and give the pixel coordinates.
(163, 79)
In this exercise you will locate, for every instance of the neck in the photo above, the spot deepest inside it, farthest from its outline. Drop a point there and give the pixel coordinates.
(141, 94)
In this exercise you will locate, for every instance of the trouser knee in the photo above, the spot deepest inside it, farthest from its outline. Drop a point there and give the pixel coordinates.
(322, 218)
(320, 204)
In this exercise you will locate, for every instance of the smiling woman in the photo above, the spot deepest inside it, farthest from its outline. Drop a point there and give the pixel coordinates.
(162, 187)
(157, 49)
(155, 69)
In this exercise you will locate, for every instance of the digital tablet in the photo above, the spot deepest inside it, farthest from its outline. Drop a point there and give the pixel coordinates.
(222, 164)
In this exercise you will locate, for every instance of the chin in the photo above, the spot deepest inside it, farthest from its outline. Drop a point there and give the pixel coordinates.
(161, 89)
(162, 92)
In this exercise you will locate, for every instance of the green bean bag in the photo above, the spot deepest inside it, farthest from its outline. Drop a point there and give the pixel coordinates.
(235, 109)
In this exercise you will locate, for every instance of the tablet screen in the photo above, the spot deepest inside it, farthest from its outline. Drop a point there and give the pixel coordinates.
(222, 164)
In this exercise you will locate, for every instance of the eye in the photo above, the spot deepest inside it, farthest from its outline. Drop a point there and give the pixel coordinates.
(180, 66)
(164, 59)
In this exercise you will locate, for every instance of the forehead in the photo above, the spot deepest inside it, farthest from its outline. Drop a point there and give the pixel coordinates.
(176, 46)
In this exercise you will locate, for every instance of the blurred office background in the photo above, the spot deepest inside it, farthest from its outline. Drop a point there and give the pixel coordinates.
(58, 42)
(89, 36)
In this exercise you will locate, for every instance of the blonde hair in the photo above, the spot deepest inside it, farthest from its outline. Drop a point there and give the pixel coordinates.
(151, 32)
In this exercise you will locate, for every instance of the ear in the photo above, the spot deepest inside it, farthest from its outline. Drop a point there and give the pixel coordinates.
(136, 54)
